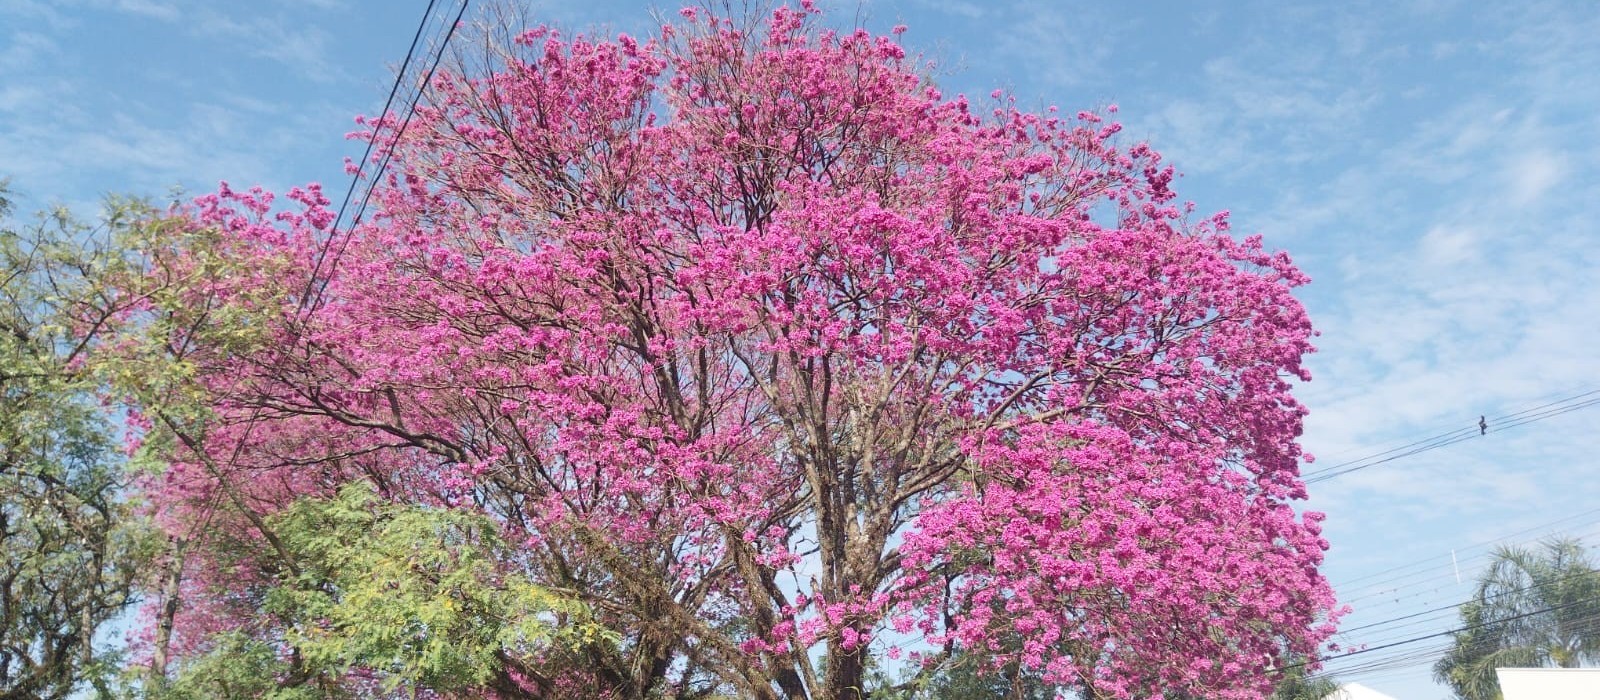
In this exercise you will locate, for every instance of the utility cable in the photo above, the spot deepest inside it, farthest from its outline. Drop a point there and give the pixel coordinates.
(1469, 568)
(1498, 423)
(1548, 411)
(355, 178)
(1486, 543)
(388, 153)
(1457, 630)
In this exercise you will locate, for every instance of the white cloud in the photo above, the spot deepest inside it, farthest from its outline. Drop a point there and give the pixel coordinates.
(301, 48)
(1449, 245)
(1196, 136)
(962, 8)
(1058, 48)
(44, 14)
(24, 50)
(1254, 115)
(14, 97)
(1531, 175)
(164, 11)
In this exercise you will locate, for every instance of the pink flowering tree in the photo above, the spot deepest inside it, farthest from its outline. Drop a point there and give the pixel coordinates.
(780, 364)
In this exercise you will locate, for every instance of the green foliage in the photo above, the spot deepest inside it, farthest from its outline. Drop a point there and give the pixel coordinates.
(414, 594)
(1296, 684)
(238, 667)
(966, 681)
(1533, 608)
(70, 548)
(962, 676)
(174, 296)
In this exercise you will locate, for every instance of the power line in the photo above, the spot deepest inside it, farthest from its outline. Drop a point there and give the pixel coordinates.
(1424, 441)
(388, 153)
(1435, 612)
(1486, 543)
(1449, 438)
(1503, 422)
(1466, 568)
(427, 80)
(1410, 658)
(1398, 602)
(1430, 654)
(1450, 433)
(1457, 630)
(355, 178)
(302, 305)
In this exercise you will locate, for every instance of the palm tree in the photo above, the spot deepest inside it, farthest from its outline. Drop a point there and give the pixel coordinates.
(1533, 608)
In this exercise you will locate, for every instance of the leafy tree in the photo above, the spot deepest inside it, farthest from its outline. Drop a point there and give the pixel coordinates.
(70, 546)
(238, 666)
(388, 598)
(966, 679)
(690, 318)
(1534, 607)
(1298, 684)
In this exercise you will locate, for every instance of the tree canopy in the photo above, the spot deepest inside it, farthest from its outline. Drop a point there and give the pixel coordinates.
(1534, 607)
(735, 361)
(71, 547)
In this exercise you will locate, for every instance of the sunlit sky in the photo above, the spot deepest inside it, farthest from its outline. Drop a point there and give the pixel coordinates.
(1431, 164)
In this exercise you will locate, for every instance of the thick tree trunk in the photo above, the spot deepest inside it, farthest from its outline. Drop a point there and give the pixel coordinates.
(846, 674)
(167, 615)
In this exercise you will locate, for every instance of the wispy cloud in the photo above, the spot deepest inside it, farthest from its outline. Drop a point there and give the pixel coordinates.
(1060, 49)
(302, 48)
(961, 8)
(23, 51)
(164, 11)
(1531, 175)
(34, 11)
(1254, 114)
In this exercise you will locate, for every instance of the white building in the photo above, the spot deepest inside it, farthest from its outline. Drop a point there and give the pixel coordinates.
(1549, 683)
(1356, 691)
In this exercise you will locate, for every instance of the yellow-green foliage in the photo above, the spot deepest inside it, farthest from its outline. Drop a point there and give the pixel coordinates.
(416, 594)
(71, 547)
(174, 296)
(238, 667)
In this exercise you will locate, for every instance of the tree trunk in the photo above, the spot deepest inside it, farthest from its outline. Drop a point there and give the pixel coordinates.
(166, 617)
(846, 674)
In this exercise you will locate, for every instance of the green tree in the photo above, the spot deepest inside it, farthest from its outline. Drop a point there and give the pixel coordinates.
(966, 680)
(70, 547)
(1297, 684)
(1536, 607)
(410, 597)
(237, 667)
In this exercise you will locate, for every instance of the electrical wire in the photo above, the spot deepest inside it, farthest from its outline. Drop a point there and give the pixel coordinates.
(388, 153)
(1472, 571)
(302, 306)
(1469, 569)
(1451, 433)
(355, 178)
(1386, 631)
(1499, 540)
(1424, 637)
(1409, 659)
(1503, 422)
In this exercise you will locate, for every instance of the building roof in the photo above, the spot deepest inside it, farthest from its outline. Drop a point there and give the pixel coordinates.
(1356, 691)
(1549, 683)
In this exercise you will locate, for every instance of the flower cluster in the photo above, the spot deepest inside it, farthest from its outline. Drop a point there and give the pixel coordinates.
(699, 317)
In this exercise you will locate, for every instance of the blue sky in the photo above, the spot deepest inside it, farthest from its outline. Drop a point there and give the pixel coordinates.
(1429, 163)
